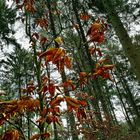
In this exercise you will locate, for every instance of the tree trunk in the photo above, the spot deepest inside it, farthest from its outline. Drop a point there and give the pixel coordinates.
(129, 94)
(63, 75)
(131, 51)
(91, 63)
(124, 107)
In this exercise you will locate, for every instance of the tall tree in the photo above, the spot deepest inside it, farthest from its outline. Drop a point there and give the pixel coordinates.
(132, 51)
(7, 18)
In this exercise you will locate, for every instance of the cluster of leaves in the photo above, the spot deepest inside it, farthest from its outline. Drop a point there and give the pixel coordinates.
(43, 96)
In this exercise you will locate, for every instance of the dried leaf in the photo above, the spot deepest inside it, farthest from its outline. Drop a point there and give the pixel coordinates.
(56, 101)
(84, 16)
(51, 89)
(72, 102)
(59, 41)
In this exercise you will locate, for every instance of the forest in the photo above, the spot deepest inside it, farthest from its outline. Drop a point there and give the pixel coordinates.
(69, 70)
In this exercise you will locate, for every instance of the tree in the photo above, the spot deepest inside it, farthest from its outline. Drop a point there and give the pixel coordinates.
(132, 51)
(7, 18)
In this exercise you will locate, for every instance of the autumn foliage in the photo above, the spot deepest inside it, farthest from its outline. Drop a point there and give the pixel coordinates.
(43, 96)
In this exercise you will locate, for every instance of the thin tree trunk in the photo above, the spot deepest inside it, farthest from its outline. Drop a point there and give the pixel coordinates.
(130, 96)
(63, 75)
(89, 59)
(123, 105)
(127, 90)
(71, 115)
(115, 121)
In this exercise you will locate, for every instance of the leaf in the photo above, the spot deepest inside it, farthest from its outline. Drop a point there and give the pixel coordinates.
(46, 135)
(103, 60)
(91, 50)
(57, 56)
(11, 135)
(43, 90)
(30, 88)
(96, 32)
(83, 78)
(81, 114)
(56, 110)
(95, 27)
(68, 85)
(83, 74)
(101, 38)
(29, 6)
(72, 102)
(36, 35)
(84, 16)
(56, 101)
(68, 62)
(50, 51)
(108, 67)
(43, 40)
(35, 137)
(82, 103)
(42, 22)
(51, 89)
(99, 52)
(59, 41)
(49, 119)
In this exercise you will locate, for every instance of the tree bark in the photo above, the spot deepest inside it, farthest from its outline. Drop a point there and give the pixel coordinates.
(131, 51)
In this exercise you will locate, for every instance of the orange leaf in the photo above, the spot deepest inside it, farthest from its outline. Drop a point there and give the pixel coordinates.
(68, 62)
(57, 56)
(108, 67)
(46, 135)
(99, 52)
(96, 32)
(11, 135)
(84, 16)
(35, 137)
(91, 50)
(82, 103)
(81, 114)
(49, 119)
(51, 89)
(43, 90)
(72, 102)
(42, 22)
(56, 101)
(103, 60)
(83, 78)
(83, 74)
(36, 35)
(69, 84)
(56, 110)
(50, 51)
(95, 27)
(43, 40)
(52, 118)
